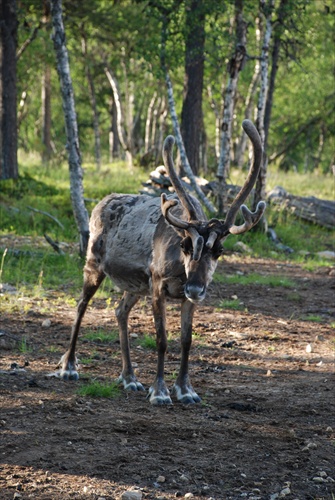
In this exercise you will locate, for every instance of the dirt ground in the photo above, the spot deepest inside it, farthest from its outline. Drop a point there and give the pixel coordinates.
(265, 427)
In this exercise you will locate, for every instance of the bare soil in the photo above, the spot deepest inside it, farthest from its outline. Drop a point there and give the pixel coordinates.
(265, 427)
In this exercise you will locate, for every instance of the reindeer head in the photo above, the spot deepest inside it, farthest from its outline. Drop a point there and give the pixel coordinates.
(202, 239)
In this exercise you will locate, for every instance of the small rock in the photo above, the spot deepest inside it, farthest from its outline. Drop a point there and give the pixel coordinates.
(161, 479)
(322, 473)
(310, 446)
(318, 479)
(309, 348)
(327, 254)
(329, 429)
(46, 323)
(184, 478)
(285, 492)
(17, 496)
(131, 495)
(242, 247)
(189, 495)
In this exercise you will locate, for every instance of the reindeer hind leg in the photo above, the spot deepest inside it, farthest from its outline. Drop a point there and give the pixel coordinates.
(93, 277)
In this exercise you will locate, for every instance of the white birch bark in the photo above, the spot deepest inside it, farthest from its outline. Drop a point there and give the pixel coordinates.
(242, 143)
(117, 101)
(180, 144)
(260, 187)
(236, 64)
(76, 172)
(148, 123)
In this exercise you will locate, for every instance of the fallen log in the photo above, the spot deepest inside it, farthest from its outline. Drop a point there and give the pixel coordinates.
(309, 208)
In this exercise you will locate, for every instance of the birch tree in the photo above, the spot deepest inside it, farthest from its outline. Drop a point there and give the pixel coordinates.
(264, 87)
(119, 116)
(74, 158)
(235, 65)
(249, 101)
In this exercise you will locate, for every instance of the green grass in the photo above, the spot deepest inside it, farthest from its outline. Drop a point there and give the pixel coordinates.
(97, 389)
(147, 342)
(24, 346)
(101, 336)
(255, 279)
(35, 269)
(234, 304)
(310, 184)
(312, 317)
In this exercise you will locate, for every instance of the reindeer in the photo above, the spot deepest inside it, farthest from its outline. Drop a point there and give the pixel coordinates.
(164, 247)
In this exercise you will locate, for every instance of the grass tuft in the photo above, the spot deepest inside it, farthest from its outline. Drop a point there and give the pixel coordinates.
(97, 389)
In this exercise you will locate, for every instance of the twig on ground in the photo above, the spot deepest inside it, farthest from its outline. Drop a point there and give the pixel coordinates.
(54, 244)
(47, 214)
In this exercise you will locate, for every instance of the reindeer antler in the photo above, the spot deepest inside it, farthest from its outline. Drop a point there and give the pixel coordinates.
(222, 229)
(216, 229)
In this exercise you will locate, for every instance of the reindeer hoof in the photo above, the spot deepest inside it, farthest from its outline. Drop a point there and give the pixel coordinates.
(187, 395)
(69, 375)
(69, 369)
(130, 383)
(159, 397)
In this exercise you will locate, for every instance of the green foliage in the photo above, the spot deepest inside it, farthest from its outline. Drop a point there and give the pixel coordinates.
(127, 35)
(38, 270)
(96, 389)
(234, 304)
(147, 342)
(101, 336)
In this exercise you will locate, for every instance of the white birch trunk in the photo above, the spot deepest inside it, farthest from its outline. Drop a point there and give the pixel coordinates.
(180, 144)
(236, 64)
(242, 144)
(117, 101)
(148, 122)
(76, 172)
(217, 122)
(260, 187)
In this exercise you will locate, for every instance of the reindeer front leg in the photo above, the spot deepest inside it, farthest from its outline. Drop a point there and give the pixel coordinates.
(127, 377)
(182, 387)
(158, 392)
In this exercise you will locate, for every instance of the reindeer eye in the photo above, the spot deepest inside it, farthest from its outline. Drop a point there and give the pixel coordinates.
(186, 245)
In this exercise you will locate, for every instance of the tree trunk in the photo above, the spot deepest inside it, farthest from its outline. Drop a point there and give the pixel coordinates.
(8, 118)
(46, 94)
(260, 188)
(46, 113)
(191, 116)
(119, 116)
(242, 143)
(236, 64)
(282, 14)
(91, 88)
(148, 124)
(161, 131)
(179, 140)
(76, 172)
(114, 142)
